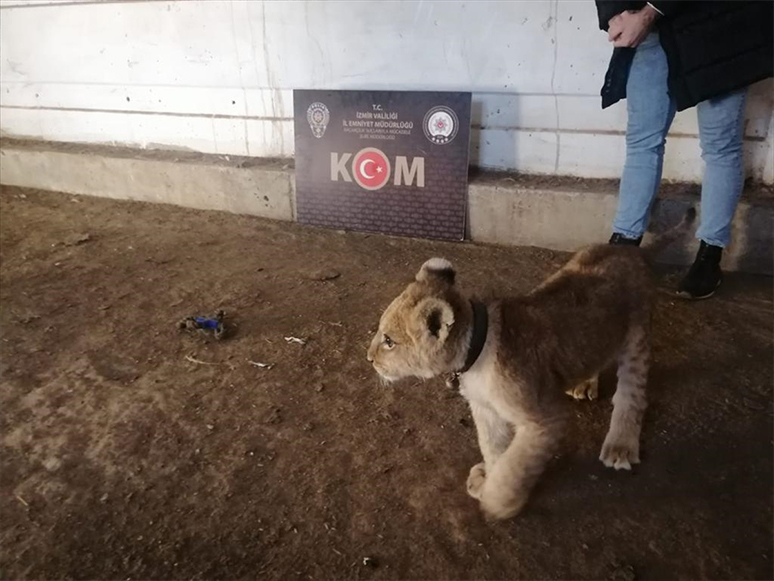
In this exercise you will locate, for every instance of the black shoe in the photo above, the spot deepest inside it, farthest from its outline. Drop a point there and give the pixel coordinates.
(621, 240)
(704, 276)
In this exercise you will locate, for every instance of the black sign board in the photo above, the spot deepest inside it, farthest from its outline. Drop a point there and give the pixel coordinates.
(394, 162)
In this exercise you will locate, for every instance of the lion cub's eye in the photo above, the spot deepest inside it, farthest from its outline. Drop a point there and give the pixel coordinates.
(389, 343)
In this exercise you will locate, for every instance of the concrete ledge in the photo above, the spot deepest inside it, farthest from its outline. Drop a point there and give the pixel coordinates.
(555, 213)
(566, 220)
(196, 181)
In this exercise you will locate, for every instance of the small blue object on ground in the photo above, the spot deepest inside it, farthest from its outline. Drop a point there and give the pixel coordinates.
(205, 324)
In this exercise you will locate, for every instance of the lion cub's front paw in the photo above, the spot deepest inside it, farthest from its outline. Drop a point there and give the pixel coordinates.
(588, 389)
(501, 507)
(620, 451)
(476, 480)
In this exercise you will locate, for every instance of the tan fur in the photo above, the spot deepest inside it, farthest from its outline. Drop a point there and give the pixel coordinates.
(555, 340)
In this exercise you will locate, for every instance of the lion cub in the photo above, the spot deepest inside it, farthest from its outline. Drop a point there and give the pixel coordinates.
(516, 357)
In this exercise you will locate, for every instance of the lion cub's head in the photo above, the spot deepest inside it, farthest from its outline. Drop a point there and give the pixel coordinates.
(425, 330)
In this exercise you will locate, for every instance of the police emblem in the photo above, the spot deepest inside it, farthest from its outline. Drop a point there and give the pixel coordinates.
(318, 117)
(440, 125)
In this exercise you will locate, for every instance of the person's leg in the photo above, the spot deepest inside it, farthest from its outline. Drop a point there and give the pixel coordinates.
(721, 130)
(651, 112)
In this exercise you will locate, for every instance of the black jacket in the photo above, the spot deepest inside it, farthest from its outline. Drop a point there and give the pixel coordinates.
(712, 47)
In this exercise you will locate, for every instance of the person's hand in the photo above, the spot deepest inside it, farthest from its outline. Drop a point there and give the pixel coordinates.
(614, 27)
(630, 28)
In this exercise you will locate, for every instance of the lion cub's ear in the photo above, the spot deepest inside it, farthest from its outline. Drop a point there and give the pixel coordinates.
(436, 318)
(438, 269)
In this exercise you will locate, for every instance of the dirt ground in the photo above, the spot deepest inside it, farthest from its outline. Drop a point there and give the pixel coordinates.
(122, 459)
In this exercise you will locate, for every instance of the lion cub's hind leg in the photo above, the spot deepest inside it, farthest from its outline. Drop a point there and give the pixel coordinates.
(588, 389)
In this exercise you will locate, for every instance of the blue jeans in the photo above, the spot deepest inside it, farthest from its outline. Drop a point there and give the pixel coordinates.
(651, 111)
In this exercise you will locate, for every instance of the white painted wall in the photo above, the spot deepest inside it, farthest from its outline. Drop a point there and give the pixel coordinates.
(218, 76)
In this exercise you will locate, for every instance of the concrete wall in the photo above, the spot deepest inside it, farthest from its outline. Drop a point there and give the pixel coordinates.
(216, 77)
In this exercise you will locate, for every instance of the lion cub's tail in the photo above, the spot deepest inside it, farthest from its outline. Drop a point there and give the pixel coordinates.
(660, 241)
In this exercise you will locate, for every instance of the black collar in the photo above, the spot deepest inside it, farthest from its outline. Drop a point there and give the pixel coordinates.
(478, 337)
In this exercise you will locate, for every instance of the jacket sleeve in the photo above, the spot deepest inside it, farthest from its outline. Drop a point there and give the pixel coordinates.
(606, 9)
(668, 7)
